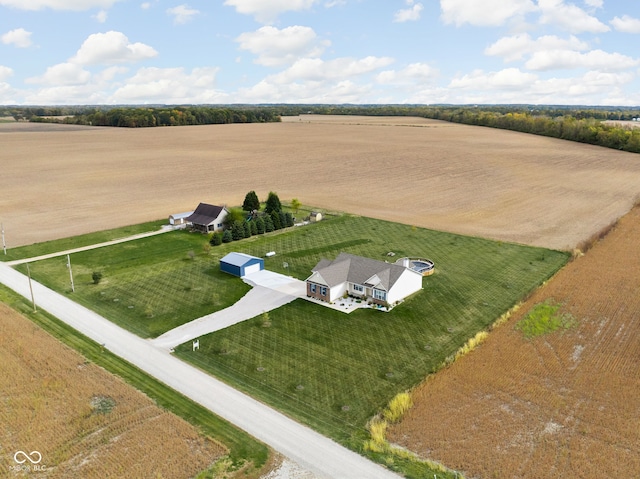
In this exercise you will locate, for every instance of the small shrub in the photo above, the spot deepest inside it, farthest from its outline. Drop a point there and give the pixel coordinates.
(96, 277)
(216, 239)
(227, 237)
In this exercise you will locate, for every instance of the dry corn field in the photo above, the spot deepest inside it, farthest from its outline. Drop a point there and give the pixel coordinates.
(59, 181)
(84, 421)
(561, 405)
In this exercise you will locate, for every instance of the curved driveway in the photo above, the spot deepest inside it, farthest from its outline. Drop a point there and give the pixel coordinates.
(320, 455)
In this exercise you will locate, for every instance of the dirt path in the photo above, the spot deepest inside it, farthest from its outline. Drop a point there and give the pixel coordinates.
(87, 248)
(312, 451)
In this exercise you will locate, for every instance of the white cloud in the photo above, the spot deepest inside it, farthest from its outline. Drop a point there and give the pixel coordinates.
(342, 80)
(110, 48)
(514, 86)
(507, 79)
(315, 69)
(145, 5)
(344, 91)
(408, 14)
(267, 11)
(63, 74)
(182, 13)
(5, 72)
(485, 13)
(517, 46)
(626, 24)
(416, 73)
(569, 17)
(278, 47)
(594, 3)
(76, 5)
(170, 85)
(101, 16)
(593, 60)
(18, 37)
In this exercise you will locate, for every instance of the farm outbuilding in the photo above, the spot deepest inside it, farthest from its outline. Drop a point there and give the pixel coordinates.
(240, 264)
(179, 219)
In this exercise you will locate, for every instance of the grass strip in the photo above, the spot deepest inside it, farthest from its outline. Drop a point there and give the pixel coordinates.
(243, 448)
(64, 244)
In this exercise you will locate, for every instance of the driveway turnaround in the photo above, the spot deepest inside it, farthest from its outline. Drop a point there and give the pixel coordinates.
(320, 455)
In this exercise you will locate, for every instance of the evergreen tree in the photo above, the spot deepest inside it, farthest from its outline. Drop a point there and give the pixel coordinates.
(253, 224)
(216, 239)
(275, 219)
(237, 230)
(283, 219)
(268, 224)
(273, 203)
(227, 237)
(260, 225)
(288, 219)
(247, 229)
(251, 202)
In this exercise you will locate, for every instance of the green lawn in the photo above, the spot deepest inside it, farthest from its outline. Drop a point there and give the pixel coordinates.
(330, 370)
(334, 371)
(63, 244)
(150, 285)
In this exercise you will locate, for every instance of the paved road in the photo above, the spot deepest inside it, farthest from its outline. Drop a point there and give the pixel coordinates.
(323, 457)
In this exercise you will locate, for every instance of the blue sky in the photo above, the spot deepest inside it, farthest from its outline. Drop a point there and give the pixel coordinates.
(320, 51)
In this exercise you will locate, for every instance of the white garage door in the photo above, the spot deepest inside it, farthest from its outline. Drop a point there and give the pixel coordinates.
(254, 268)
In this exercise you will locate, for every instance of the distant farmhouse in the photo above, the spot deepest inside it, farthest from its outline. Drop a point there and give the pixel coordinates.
(208, 218)
(376, 281)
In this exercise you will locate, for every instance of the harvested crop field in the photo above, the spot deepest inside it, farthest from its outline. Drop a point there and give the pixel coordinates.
(61, 181)
(563, 404)
(83, 421)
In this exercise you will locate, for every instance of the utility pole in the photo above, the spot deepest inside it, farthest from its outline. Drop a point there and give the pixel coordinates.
(31, 289)
(73, 289)
(4, 245)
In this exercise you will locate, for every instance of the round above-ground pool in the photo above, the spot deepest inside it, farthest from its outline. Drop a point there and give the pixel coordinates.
(420, 265)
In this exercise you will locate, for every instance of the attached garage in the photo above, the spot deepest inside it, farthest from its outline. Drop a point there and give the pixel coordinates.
(240, 264)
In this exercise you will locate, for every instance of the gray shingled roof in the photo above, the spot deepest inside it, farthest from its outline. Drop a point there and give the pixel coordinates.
(357, 269)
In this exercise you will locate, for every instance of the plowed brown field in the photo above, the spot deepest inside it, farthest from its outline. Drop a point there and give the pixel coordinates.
(564, 405)
(59, 181)
(82, 420)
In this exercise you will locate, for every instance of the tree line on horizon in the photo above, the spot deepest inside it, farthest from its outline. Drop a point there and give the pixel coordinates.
(141, 117)
(581, 124)
(584, 124)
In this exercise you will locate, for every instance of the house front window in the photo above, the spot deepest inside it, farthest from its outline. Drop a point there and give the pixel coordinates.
(379, 294)
(312, 288)
(357, 288)
(323, 291)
